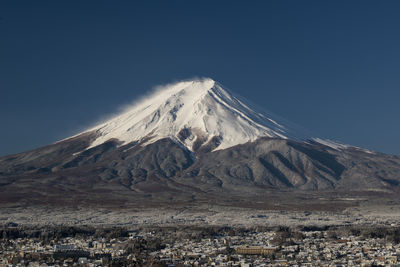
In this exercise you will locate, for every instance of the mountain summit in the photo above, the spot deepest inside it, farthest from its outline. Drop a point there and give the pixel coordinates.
(193, 113)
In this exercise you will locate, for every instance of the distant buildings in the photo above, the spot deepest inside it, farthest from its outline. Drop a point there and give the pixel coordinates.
(179, 248)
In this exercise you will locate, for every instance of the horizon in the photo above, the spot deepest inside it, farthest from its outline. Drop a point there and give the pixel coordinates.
(331, 68)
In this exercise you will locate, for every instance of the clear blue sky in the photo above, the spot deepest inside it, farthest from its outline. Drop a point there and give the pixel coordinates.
(331, 66)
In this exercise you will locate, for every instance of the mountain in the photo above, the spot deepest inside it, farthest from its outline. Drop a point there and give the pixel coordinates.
(192, 113)
(192, 141)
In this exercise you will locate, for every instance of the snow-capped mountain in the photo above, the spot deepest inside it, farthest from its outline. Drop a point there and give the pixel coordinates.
(192, 140)
(193, 113)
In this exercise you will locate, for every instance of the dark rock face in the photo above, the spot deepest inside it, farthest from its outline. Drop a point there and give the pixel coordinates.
(68, 172)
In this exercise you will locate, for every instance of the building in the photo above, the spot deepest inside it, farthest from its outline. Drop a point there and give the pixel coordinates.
(255, 250)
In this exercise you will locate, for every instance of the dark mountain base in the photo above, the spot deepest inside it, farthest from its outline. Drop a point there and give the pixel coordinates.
(267, 173)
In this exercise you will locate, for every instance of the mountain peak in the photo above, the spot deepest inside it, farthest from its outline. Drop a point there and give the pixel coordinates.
(194, 113)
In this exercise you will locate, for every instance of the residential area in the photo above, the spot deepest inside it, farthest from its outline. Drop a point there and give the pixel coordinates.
(200, 246)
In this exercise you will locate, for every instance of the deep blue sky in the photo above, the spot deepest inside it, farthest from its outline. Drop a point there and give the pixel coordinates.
(331, 66)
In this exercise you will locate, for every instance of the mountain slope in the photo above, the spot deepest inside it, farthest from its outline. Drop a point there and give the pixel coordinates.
(193, 113)
(166, 171)
(192, 141)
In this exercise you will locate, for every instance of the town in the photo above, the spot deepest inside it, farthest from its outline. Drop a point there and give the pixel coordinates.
(200, 246)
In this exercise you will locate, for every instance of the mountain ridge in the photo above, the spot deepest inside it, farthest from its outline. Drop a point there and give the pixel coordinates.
(138, 158)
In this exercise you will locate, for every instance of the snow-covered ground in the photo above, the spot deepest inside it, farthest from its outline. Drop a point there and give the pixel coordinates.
(202, 215)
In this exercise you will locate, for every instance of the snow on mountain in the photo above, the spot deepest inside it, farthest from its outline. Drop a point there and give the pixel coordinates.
(330, 143)
(191, 112)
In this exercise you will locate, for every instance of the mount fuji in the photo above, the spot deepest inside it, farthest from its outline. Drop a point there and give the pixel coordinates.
(195, 113)
(192, 141)
(192, 113)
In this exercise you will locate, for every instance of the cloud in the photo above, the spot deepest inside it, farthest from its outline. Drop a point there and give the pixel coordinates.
(158, 91)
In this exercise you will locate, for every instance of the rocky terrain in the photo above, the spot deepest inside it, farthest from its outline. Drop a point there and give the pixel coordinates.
(164, 170)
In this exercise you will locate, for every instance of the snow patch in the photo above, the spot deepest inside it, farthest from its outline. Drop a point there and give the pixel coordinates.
(330, 143)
